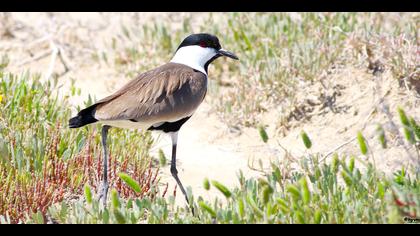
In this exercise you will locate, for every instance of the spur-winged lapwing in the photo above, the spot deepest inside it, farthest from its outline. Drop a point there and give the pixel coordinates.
(160, 99)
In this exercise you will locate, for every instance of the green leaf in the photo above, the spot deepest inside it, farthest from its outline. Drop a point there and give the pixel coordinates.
(351, 164)
(317, 217)
(254, 206)
(247, 42)
(399, 176)
(263, 134)
(284, 207)
(80, 144)
(347, 178)
(130, 182)
(408, 130)
(403, 117)
(38, 217)
(130, 203)
(222, 188)
(119, 217)
(241, 207)
(300, 218)
(207, 208)
(162, 158)
(362, 143)
(206, 184)
(306, 140)
(115, 199)
(381, 190)
(293, 190)
(105, 216)
(415, 127)
(63, 211)
(306, 194)
(88, 194)
(409, 135)
(276, 173)
(262, 182)
(381, 136)
(267, 191)
(334, 164)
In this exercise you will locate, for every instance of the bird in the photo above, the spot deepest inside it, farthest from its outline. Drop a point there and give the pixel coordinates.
(161, 99)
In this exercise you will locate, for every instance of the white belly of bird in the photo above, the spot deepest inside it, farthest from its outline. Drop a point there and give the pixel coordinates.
(126, 124)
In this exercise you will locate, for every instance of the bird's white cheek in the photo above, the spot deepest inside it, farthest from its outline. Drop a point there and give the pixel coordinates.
(194, 56)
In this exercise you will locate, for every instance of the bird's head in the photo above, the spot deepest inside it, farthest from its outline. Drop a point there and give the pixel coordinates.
(199, 50)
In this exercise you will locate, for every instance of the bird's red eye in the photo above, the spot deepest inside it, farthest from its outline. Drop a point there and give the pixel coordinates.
(203, 44)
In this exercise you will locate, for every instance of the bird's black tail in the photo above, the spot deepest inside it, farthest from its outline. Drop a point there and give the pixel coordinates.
(84, 117)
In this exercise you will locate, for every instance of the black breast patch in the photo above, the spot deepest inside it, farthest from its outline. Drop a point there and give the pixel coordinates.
(170, 126)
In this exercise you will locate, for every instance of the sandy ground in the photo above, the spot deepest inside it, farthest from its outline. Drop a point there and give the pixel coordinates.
(207, 147)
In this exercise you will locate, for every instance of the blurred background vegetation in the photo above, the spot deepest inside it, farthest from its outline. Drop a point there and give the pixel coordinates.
(357, 73)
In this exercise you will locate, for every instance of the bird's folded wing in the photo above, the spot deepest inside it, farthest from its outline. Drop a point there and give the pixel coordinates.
(166, 93)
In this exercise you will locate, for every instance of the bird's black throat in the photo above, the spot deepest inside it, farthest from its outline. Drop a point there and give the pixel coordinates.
(206, 66)
(170, 126)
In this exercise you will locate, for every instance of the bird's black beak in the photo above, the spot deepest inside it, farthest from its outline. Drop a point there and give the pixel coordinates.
(225, 53)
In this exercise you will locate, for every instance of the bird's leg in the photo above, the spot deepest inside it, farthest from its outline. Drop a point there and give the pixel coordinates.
(174, 171)
(104, 191)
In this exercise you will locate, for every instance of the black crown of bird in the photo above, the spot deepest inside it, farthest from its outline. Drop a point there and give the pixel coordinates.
(161, 99)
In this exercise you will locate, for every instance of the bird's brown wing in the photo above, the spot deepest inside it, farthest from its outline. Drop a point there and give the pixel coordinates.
(167, 93)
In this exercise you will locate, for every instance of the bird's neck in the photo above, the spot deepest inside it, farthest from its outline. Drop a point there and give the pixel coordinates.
(195, 57)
